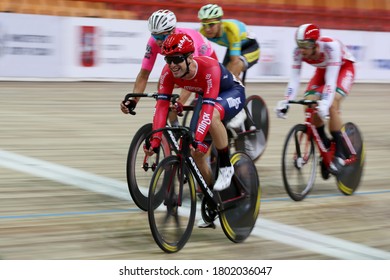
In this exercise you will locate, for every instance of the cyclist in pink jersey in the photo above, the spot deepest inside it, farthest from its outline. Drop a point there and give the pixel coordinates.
(331, 82)
(161, 24)
(202, 47)
(223, 97)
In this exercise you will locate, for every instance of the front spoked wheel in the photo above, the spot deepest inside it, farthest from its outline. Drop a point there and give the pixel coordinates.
(350, 176)
(172, 205)
(257, 121)
(139, 168)
(238, 220)
(299, 162)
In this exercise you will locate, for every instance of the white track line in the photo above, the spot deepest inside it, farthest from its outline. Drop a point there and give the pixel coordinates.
(289, 235)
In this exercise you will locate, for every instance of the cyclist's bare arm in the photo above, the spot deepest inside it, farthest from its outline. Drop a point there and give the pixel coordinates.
(139, 87)
(141, 81)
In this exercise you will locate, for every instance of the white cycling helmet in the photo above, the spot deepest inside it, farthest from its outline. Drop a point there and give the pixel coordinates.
(162, 21)
(210, 11)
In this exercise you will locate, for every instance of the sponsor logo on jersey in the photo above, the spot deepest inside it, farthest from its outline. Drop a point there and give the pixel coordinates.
(193, 89)
(204, 123)
(162, 78)
(234, 102)
(203, 50)
(148, 51)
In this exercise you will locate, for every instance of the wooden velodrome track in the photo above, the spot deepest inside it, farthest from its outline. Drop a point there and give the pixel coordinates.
(63, 192)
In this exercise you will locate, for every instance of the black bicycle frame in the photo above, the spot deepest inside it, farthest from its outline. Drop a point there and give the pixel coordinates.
(185, 153)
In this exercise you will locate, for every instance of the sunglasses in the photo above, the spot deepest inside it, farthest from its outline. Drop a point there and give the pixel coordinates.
(175, 59)
(210, 24)
(305, 44)
(160, 37)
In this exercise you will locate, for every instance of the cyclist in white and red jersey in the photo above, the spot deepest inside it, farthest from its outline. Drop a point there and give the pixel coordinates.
(223, 97)
(161, 24)
(331, 82)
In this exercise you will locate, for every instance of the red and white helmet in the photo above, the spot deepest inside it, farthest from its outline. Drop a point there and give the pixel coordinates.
(178, 43)
(307, 32)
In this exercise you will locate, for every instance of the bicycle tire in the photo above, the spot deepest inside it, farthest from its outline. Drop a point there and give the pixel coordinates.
(350, 177)
(254, 144)
(237, 222)
(298, 173)
(138, 179)
(171, 212)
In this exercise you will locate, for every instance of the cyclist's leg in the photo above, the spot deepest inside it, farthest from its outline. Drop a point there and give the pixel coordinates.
(344, 83)
(313, 92)
(250, 55)
(231, 102)
(335, 125)
(203, 166)
(220, 140)
(193, 123)
(235, 64)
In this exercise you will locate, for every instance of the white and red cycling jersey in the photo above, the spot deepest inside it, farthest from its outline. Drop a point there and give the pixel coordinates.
(202, 47)
(335, 70)
(218, 87)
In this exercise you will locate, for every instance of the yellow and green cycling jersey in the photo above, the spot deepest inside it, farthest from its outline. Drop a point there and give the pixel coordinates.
(234, 35)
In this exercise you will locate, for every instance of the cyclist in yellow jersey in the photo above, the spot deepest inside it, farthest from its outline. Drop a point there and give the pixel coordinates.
(243, 50)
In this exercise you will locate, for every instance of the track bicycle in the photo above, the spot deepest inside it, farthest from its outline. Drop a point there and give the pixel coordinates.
(250, 137)
(300, 160)
(172, 196)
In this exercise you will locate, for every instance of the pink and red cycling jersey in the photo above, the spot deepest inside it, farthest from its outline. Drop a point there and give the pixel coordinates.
(335, 70)
(202, 47)
(217, 86)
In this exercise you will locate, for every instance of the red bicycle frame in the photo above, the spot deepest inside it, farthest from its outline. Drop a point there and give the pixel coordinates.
(312, 133)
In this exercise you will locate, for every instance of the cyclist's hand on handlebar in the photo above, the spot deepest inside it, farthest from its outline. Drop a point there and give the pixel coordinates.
(281, 109)
(128, 105)
(323, 109)
(154, 146)
(176, 106)
(179, 108)
(199, 146)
